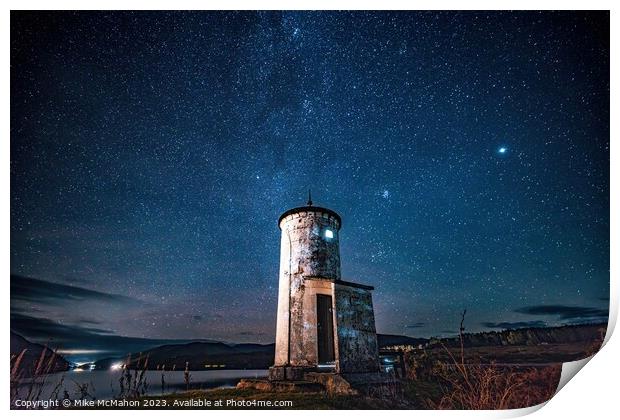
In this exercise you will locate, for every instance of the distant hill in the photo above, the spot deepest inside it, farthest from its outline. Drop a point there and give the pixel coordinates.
(528, 336)
(210, 355)
(202, 355)
(32, 356)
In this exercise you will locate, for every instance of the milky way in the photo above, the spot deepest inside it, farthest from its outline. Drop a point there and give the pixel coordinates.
(152, 154)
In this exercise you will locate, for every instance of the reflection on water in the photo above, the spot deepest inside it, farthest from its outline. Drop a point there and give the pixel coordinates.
(106, 384)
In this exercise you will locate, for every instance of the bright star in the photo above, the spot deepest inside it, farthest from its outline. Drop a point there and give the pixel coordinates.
(502, 150)
(386, 194)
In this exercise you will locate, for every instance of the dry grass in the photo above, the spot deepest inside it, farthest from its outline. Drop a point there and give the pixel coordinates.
(28, 382)
(480, 387)
(464, 384)
(133, 383)
(387, 391)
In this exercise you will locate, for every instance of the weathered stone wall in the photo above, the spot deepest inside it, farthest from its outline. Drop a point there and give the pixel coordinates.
(305, 252)
(313, 254)
(357, 349)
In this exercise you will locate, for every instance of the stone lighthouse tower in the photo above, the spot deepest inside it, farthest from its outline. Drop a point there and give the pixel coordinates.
(324, 324)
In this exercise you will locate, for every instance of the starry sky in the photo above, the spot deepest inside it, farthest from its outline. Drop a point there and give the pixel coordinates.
(153, 152)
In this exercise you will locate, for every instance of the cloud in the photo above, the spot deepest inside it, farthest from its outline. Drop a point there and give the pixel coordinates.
(415, 325)
(41, 291)
(88, 321)
(564, 312)
(69, 337)
(515, 325)
(46, 329)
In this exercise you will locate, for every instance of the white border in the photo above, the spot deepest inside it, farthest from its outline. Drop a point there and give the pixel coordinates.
(593, 395)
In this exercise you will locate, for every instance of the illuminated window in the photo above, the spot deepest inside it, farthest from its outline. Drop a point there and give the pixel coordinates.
(329, 234)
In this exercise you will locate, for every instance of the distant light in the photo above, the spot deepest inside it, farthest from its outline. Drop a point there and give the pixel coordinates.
(80, 367)
(329, 233)
(502, 150)
(326, 365)
(116, 366)
(79, 351)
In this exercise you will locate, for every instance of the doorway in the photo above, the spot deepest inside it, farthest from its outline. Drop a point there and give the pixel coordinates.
(325, 329)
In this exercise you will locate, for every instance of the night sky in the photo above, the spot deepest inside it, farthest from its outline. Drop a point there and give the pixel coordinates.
(152, 154)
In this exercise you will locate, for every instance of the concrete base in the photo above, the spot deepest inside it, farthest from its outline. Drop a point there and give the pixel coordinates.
(306, 380)
(288, 373)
